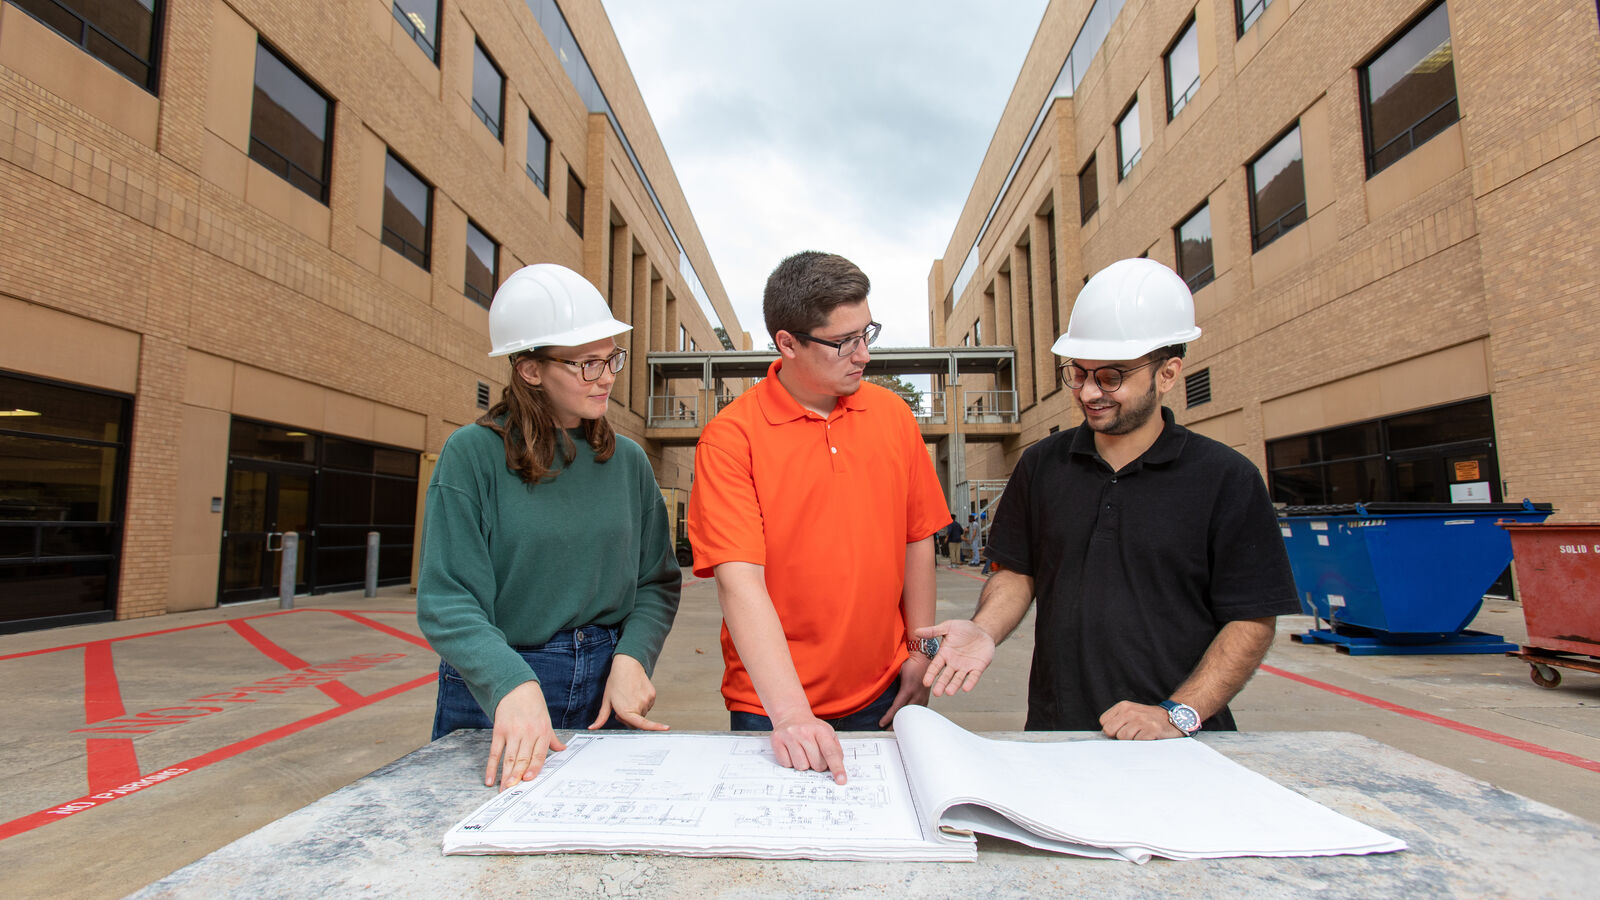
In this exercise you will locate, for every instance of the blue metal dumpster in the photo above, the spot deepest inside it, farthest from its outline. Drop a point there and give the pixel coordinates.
(1400, 577)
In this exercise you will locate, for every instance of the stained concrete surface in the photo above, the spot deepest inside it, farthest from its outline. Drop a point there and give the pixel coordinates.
(252, 763)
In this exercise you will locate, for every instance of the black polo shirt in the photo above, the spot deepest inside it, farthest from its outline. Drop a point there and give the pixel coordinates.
(1135, 571)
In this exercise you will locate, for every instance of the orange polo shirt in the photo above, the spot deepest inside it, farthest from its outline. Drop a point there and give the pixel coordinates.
(827, 506)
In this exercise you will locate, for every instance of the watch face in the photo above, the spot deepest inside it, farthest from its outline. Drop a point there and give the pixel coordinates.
(928, 647)
(1184, 719)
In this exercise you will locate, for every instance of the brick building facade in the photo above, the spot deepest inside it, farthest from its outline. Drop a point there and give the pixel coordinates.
(1389, 214)
(248, 247)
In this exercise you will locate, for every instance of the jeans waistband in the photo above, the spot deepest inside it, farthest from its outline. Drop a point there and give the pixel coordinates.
(567, 636)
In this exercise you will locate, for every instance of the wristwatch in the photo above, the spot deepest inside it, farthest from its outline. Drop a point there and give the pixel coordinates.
(928, 647)
(1182, 716)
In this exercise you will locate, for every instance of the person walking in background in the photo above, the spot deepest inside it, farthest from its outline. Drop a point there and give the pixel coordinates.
(1153, 552)
(814, 505)
(548, 581)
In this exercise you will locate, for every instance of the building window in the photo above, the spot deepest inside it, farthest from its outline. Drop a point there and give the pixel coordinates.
(407, 212)
(1183, 70)
(1248, 12)
(1088, 189)
(1128, 148)
(683, 338)
(538, 163)
(290, 122)
(1436, 455)
(1277, 190)
(482, 396)
(123, 34)
(483, 265)
(488, 91)
(421, 21)
(574, 201)
(1197, 388)
(1195, 262)
(977, 333)
(1408, 91)
(63, 472)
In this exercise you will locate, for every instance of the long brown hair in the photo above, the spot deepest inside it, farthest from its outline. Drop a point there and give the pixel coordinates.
(531, 432)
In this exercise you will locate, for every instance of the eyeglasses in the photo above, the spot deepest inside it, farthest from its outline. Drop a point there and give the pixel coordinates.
(849, 344)
(1107, 378)
(592, 369)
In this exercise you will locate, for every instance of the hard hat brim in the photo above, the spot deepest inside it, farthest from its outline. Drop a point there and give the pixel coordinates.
(1117, 351)
(574, 338)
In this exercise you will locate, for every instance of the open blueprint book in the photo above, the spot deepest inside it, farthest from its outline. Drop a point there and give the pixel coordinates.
(916, 796)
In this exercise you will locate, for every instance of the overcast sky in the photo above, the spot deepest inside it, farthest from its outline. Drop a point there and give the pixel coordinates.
(851, 127)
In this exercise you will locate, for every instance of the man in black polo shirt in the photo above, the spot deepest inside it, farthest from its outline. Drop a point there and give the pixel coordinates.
(1154, 552)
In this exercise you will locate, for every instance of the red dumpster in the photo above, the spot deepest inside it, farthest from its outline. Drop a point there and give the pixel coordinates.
(1558, 580)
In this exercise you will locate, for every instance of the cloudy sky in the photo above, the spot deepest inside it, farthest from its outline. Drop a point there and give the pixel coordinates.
(851, 127)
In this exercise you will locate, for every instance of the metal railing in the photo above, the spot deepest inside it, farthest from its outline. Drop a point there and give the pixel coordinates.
(990, 407)
(930, 408)
(674, 411)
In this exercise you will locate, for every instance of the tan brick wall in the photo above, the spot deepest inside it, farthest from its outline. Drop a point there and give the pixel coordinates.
(1487, 233)
(150, 222)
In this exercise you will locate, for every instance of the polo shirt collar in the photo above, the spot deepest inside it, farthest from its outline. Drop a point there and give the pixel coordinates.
(779, 406)
(1166, 448)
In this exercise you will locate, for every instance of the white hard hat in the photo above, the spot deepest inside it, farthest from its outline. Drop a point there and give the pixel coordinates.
(1128, 309)
(547, 305)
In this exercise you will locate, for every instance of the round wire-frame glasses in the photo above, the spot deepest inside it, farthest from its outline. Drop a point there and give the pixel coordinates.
(1107, 378)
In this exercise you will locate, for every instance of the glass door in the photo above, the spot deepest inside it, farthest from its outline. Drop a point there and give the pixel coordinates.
(263, 502)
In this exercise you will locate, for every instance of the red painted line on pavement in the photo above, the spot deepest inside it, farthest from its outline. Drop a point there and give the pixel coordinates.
(145, 634)
(1473, 730)
(98, 798)
(336, 691)
(109, 761)
(386, 629)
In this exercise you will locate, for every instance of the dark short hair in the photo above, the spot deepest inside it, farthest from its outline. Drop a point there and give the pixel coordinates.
(1162, 354)
(804, 289)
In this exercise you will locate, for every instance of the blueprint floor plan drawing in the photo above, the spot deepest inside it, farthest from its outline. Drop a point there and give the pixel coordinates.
(919, 794)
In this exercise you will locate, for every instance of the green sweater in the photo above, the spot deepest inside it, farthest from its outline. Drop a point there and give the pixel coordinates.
(509, 564)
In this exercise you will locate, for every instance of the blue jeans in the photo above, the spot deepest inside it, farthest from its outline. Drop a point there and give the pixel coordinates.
(861, 720)
(571, 667)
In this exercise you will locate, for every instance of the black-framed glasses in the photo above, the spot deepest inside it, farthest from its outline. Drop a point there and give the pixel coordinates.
(592, 369)
(849, 344)
(1108, 378)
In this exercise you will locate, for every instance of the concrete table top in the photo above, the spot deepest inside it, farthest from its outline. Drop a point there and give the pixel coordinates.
(381, 837)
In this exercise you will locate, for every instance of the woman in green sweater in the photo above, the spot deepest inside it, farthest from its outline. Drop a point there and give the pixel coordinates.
(548, 581)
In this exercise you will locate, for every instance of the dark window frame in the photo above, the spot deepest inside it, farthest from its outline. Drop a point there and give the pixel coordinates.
(405, 247)
(1125, 168)
(495, 124)
(473, 292)
(429, 48)
(582, 193)
(1372, 153)
(1257, 230)
(541, 179)
(279, 159)
(1384, 454)
(1208, 274)
(1093, 179)
(86, 28)
(1257, 7)
(1176, 104)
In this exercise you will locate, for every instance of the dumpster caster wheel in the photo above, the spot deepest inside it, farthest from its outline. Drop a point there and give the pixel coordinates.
(1544, 676)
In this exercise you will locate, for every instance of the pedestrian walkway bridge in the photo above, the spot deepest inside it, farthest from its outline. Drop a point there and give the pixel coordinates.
(973, 389)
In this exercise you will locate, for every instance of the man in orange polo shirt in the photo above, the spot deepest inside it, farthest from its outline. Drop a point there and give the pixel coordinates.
(814, 505)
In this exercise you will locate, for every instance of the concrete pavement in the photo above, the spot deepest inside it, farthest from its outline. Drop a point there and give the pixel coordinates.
(136, 747)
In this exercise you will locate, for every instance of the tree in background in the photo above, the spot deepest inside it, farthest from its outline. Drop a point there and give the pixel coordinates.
(722, 335)
(907, 391)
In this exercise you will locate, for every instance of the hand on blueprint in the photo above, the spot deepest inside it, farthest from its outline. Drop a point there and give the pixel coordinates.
(629, 694)
(1130, 721)
(803, 741)
(522, 736)
(965, 650)
(912, 690)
